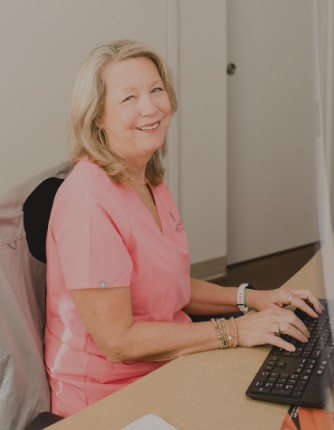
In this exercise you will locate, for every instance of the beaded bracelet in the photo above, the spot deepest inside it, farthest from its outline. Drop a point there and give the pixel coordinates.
(225, 333)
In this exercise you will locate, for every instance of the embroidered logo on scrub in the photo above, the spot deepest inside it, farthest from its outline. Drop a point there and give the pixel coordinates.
(178, 224)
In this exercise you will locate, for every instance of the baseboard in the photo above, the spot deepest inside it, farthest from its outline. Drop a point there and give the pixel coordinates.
(209, 269)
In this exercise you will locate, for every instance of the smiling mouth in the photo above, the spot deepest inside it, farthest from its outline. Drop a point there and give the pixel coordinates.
(150, 127)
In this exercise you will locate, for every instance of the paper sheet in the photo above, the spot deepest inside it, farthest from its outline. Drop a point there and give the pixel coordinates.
(149, 422)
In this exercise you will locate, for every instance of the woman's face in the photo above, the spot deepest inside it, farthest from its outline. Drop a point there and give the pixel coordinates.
(137, 109)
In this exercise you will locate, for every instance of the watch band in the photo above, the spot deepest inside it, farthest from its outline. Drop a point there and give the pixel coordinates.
(241, 302)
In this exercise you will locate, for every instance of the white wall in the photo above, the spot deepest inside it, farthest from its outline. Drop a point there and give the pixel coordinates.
(326, 41)
(325, 32)
(202, 89)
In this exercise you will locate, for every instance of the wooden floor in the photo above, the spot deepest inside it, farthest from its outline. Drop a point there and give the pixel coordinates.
(269, 272)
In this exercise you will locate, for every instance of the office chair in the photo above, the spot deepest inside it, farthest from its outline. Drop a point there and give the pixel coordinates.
(36, 213)
(24, 216)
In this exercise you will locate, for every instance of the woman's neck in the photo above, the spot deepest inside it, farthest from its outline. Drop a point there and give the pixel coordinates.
(137, 174)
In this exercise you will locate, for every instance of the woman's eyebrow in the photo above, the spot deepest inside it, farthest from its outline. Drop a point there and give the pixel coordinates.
(133, 88)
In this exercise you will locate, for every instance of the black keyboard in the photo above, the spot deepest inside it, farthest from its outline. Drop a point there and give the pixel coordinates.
(303, 377)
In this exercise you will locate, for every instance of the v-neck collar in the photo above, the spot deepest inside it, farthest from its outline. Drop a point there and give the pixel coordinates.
(159, 227)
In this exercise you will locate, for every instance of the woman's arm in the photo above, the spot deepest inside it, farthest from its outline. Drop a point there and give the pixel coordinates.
(107, 315)
(211, 299)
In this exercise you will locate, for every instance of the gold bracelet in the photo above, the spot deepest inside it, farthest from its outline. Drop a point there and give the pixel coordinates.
(235, 332)
(215, 323)
(225, 332)
(230, 337)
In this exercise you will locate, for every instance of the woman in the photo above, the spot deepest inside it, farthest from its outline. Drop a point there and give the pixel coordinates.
(119, 290)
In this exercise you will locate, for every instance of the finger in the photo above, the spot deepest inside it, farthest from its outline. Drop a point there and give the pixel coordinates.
(287, 317)
(281, 343)
(302, 305)
(306, 295)
(294, 332)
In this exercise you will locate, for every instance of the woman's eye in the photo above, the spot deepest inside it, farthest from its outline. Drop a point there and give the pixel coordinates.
(127, 99)
(157, 90)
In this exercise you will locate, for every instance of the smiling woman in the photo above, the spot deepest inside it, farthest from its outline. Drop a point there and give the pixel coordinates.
(119, 292)
(91, 94)
(136, 112)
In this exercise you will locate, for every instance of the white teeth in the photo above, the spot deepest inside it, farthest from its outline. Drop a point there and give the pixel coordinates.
(149, 127)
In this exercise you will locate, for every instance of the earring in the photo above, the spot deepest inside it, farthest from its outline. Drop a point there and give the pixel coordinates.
(101, 138)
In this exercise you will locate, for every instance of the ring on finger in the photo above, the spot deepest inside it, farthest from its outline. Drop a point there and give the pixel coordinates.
(278, 329)
(290, 299)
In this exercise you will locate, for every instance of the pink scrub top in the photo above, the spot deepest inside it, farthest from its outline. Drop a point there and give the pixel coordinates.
(101, 235)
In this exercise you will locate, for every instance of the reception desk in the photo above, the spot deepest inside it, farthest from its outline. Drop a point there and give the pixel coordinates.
(204, 391)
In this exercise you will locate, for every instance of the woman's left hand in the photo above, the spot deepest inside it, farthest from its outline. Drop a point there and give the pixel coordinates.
(283, 296)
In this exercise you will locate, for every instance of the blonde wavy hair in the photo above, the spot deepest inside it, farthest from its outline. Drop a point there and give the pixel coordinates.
(87, 106)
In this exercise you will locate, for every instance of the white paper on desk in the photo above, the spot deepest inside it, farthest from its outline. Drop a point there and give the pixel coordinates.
(149, 422)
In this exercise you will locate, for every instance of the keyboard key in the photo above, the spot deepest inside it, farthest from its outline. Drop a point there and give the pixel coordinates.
(310, 366)
(299, 388)
(274, 358)
(294, 377)
(261, 390)
(279, 386)
(277, 351)
(316, 353)
(281, 363)
(263, 377)
(304, 378)
(268, 367)
(289, 387)
(281, 392)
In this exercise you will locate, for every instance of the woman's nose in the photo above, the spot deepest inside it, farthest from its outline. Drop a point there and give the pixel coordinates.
(148, 106)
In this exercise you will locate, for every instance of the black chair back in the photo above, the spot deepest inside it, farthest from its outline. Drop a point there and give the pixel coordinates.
(36, 213)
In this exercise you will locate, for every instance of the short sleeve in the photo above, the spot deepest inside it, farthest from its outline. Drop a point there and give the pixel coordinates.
(88, 243)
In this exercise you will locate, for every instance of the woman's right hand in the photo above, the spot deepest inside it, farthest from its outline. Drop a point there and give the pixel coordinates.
(264, 327)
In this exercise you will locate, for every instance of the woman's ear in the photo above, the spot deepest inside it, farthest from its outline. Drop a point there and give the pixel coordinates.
(99, 122)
